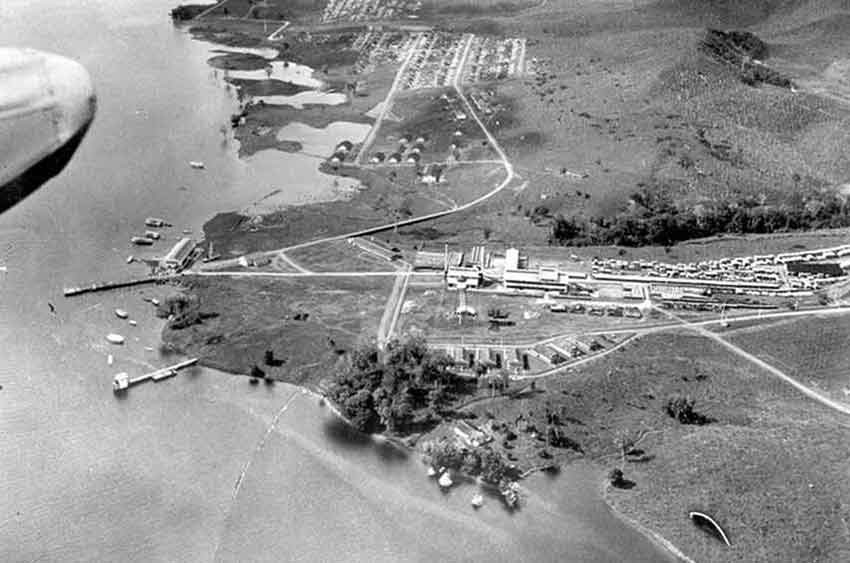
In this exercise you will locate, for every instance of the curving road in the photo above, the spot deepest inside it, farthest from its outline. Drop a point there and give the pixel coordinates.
(509, 169)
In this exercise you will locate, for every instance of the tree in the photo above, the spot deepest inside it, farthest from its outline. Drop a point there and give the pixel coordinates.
(268, 358)
(360, 411)
(257, 372)
(615, 477)
(682, 409)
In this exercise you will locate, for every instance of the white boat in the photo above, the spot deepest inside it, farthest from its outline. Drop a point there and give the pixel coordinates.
(120, 382)
(155, 302)
(196, 164)
(115, 338)
(109, 360)
(152, 234)
(431, 471)
(445, 480)
(477, 500)
(130, 258)
(121, 313)
(187, 231)
(133, 323)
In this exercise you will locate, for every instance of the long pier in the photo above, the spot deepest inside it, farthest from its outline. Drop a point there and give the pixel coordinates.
(122, 381)
(103, 286)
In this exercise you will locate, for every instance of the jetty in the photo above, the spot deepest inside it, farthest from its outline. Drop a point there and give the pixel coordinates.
(122, 381)
(102, 286)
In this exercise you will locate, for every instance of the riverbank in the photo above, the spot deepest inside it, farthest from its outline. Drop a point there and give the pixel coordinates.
(653, 536)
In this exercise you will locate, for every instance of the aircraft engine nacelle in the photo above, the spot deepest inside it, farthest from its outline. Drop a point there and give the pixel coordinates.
(47, 103)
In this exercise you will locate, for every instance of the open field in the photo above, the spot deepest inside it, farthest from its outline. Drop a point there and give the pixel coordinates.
(727, 468)
(815, 351)
(431, 312)
(341, 256)
(255, 315)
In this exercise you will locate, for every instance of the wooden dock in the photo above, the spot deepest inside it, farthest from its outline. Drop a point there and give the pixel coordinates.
(103, 286)
(122, 381)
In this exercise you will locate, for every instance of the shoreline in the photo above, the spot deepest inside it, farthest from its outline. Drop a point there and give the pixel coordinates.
(602, 491)
(653, 536)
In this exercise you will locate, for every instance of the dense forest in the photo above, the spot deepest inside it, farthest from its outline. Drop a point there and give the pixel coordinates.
(401, 389)
(651, 218)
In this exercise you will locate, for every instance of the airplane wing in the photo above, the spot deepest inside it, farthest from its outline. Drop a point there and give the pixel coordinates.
(47, 103)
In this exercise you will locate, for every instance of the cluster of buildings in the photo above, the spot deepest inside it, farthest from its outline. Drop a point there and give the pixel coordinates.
(380, 47)
(365, 10)
(408, 151)
(804, 270)
(342, 151)
(528, 359)
(492, 58)
(436, 62)
(779, 275)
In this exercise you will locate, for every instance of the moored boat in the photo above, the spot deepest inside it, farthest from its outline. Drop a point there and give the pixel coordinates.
(156, 222)
(152, 234)
(197, 164)
(115, 338)
(120, 382)
(477, 500)
(142, 241)
(121, 313)
(445, 480)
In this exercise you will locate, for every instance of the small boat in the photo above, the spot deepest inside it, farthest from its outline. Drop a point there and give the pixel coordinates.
(120, 382)
(152, 234)
(155, 302)
(109, 360)
(187, 231)
(197, 164)
(431, 471)
(130, 259)
(142, 241)
(477, 500)
(445, 480)
(121, 313)
(156, 222)
(115, 338)
(133, 323)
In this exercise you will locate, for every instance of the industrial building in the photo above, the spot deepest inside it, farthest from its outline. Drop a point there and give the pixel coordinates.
(546, 278)
(179, 256)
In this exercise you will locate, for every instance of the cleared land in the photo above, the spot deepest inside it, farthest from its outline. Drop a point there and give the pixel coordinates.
(307, 323)
(815, 351)
(431, 312)
(751, 468)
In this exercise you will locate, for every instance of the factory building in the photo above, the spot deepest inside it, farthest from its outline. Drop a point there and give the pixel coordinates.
(545, 278)
(179, 256)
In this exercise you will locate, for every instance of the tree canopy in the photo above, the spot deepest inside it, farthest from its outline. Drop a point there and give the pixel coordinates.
(390, 390)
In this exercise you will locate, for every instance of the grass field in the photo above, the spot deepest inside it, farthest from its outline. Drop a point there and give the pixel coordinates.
(340, 256)
(752, 468)
(815, 351)
(255, 315)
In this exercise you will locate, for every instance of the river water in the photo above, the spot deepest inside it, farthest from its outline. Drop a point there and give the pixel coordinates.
(155, 476)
